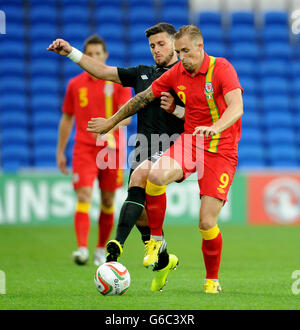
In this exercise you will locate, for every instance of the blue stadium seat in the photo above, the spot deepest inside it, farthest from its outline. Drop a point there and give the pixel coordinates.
(275, 103)
(244, 67)
(176, 15)
(45, 67)
(77, 32)
(45, 103)
(141, 14)
(278, 136)
(274, 68)
(136, 33)
(45, 156)
(15, 31)
(217, 49)
(38, 50)
(252, 135)
(13, 84)
(251, 103)
(14, 119)
(110, 32)
(13, 102)
(44, 31)
(14, 13)
(14, 136)
(75, 13)
(116, 50)
(274, 85)
(45, 137)
(251, 154)
(249, 85)
(210, 18)
(140, 49)
(172, 3)
(281, 120)
(43, 13)
(296, 86)
(246, 18)
(15, 153)
(70, 70)
(251, 119)
(212, 33)
(13, 67)
(295, 69)
(245, 51)
(46, 120)
(278, 51)
(243, 33)
(12, 50)
(276, 18)
(283, 155)
(109, 15)
(276, 32)
(45, 85)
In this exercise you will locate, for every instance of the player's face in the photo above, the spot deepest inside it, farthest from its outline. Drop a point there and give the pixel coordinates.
(190, 52)
(162, 49)
(97, 52)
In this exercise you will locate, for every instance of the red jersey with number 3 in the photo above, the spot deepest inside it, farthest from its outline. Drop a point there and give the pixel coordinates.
(192, 91)
(87, 98)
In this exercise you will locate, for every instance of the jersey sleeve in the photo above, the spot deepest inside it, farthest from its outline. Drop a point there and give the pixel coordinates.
(228, 78)
(128, 76)
(123, 95)
(163, 83)
(68, 104)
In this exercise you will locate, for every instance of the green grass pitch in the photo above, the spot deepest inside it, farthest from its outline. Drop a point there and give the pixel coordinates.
(256, 270)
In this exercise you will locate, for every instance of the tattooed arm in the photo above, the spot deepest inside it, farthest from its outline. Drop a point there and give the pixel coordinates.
(104, 125)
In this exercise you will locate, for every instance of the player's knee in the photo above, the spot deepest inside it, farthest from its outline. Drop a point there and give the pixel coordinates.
(83, 195)
(156, 177)
(206, 222)
(138, 179)
(107, 200)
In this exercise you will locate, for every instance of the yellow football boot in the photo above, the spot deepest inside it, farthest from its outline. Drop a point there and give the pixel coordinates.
(153, 248)
(212, 286)
(161, 275)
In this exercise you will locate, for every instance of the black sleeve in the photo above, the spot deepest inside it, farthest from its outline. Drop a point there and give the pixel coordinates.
(128, 76)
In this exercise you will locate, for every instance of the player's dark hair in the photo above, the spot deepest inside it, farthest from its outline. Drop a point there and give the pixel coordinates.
(161, 27)
(94, 40)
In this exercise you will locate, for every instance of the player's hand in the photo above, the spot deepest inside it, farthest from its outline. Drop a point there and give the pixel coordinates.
(206, 131)
(60, 47)
(167, 102)
(99, 125)
(61, 162)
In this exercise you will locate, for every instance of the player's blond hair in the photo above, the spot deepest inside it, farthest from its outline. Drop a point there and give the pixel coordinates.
(191, 30)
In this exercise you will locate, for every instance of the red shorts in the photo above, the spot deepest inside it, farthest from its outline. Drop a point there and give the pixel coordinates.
(215, 171)
(91, 162)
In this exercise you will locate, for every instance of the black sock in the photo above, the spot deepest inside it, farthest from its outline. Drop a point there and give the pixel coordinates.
(145, 233)
(163, 260)
(130, 212)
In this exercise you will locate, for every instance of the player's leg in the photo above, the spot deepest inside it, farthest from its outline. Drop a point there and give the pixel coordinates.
(211, 241)
(105, 225)
(163, 172)
(214, 186)
(84, 173)
(82, 224)
(133, 207)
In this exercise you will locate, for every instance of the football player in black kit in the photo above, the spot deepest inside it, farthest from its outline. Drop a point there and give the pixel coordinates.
(161, 118)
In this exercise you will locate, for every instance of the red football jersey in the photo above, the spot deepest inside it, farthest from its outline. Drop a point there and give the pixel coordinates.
(87, 98)
(191, 90)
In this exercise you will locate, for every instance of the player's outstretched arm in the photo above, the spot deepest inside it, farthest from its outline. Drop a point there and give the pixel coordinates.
(87, 63)
(233, 112)
(104, 125)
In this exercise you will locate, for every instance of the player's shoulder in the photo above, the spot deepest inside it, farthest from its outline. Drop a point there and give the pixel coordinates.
(222, 62)
(77, 79)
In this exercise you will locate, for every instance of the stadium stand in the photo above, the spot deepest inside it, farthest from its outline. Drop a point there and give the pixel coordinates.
(254, 35)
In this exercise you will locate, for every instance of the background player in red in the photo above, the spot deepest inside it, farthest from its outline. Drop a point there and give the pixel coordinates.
(88, 97)
(212, 94)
